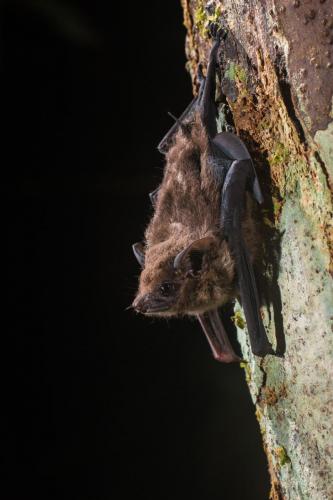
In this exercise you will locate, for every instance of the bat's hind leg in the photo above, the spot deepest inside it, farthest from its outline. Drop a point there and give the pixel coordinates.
(191, 108)
(163, 146)
(205, 99)
(207, 103)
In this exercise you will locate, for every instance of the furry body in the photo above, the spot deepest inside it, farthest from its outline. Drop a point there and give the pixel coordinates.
(188, 209)
(201, 241)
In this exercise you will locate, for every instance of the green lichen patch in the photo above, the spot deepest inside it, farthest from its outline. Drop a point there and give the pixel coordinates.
(230, 72)
(247, 369)
(279, 155)
(200, 19)
(236, 73)
(282, 456)
(240, 74)
(259, 414)
(238, 320)
(271, 217)
(204, 17)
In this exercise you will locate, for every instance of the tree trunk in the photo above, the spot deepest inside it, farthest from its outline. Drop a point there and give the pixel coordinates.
(276, 67)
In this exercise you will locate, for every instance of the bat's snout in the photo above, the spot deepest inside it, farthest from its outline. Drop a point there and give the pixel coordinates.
(150, 304)
(141, 304)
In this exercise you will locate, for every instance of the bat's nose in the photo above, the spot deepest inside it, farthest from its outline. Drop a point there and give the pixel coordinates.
(140, 304)
(150, 304)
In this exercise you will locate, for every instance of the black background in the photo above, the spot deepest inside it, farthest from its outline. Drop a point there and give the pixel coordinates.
(97, 400)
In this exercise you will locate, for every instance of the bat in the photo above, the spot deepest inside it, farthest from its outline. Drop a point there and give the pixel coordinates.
(201, 242)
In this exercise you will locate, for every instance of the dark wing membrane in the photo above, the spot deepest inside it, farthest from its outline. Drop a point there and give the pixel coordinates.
(250, 300)
(232, 206)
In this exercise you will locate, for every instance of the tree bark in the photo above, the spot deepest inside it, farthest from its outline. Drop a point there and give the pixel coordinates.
(276, 70)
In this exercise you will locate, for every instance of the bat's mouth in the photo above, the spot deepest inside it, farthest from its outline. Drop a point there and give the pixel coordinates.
(149, 305)
(217, 337)
(157, 308)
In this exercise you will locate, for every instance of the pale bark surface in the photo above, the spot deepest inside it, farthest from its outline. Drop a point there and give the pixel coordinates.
(276, 68)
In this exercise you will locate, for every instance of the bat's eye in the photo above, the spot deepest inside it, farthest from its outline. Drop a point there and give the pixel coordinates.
(167, 289)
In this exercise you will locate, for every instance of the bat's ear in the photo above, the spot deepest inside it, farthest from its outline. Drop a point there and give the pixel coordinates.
(138, 250)
(193, 255)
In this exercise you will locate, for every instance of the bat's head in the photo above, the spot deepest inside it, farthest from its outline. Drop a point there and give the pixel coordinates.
(184, 279)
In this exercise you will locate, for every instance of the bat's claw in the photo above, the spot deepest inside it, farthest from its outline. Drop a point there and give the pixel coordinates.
(230, 128)
(217, 32)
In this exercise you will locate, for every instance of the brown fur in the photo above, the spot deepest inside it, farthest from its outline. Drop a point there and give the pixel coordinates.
(188, 209)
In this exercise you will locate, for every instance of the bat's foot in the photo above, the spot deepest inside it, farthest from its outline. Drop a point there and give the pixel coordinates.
(217, 32)
(230, 129)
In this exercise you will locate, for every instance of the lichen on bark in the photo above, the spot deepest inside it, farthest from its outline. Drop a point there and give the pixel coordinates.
(276, 72)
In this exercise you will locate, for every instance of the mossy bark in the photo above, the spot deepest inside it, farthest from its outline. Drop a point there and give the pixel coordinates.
(276, 70)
